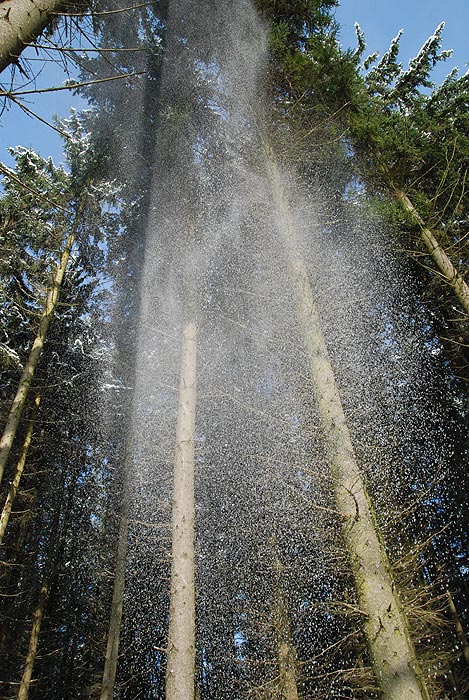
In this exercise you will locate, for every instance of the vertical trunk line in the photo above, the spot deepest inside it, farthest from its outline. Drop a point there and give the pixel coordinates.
(458, 627)
(286, 651)
(38, 615)
(113, 639)
(54, 554)
(391, 650)
(6, 512)
(181, 637)
(14, 416)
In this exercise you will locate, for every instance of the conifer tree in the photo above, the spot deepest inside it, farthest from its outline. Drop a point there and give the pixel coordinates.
(46, 207)
(416, 142)
(391, 650)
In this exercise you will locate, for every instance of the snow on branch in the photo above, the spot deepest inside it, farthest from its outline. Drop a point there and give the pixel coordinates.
(418, 72)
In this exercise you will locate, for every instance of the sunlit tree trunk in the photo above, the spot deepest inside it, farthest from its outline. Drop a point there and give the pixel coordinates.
(112, 649)
(14, 416)
(391, 650)
(20, 22)
(33, 641)
(181, 637)
(442, 261)
(13, 490)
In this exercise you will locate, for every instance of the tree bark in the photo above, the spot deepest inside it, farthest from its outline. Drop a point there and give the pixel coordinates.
(181, 638)
(33, 641)
(20, 22)
(112, 650)
(391, 650)
(14, 416)
(441, 260)
(6, 512)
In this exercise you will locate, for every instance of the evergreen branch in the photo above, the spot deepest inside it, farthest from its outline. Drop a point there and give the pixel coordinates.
(103, 56)
(10, 174)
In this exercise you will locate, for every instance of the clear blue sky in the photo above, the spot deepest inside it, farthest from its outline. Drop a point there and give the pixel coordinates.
(379, 19)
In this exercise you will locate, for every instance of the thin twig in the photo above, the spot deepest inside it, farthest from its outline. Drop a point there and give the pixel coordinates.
(99, 14)
(12, 95)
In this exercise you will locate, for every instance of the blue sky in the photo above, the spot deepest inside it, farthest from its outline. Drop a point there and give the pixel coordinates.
(379, 19)
(16, 128)
(382, 19)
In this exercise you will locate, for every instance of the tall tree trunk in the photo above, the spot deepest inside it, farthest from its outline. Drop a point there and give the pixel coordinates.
(286, 652)
(14, 417)
(20, 22)
(181, 638)
(391, 650)
(34, 640)
(112, 650)
(458, 626)
(13, 490)
(53, 555)
(441, 260)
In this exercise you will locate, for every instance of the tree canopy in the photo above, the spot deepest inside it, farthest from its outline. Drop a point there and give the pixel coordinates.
(301, 211)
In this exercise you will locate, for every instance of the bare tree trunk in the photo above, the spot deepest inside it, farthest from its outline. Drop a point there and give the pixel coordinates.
(33, 641)
(288, 689)
(181, 638)
(6, 512)
(390, 647)
(441, 260)
(112, 650)
(14, 417)
(20, 22)
(51, 557)
(458, 626)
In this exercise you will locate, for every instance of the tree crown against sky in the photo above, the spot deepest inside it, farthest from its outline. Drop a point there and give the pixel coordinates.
(77, 458)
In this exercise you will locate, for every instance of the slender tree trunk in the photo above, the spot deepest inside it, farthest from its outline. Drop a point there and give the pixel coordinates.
(6, 512)
(181, 637)
(441, 260)
(112, 650)
(458, 626)
(391, 650)
(33, 641)
(20, 22)
(53, 555)
(14, 417)
(287, 686)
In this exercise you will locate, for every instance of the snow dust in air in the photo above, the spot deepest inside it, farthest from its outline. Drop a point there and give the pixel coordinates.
(267, 530)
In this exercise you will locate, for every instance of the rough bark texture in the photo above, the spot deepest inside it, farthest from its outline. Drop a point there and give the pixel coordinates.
(20, 22)
(33, 642)
(112, 650)
(181, 637)
(441, 260)
(391, 650)
(14, 417)
(6, 512)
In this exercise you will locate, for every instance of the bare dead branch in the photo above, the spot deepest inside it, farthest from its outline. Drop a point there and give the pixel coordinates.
(12, 95)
